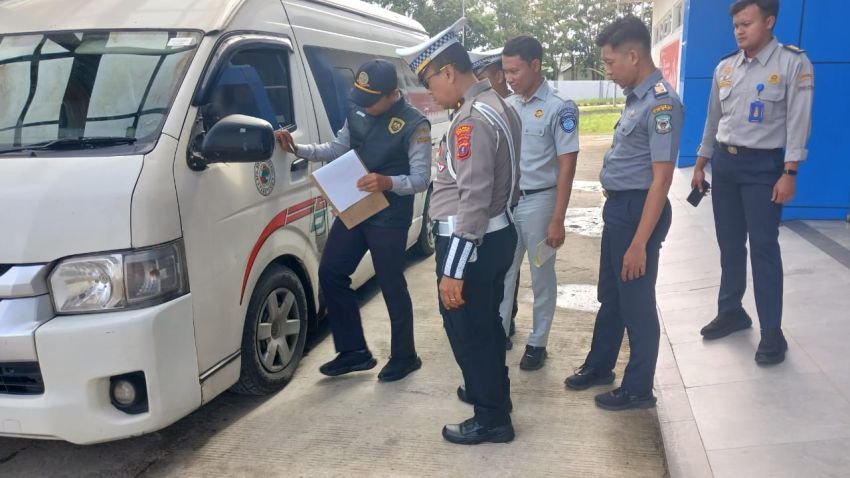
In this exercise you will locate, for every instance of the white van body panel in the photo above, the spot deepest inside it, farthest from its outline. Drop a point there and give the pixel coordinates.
(155, 216)
(56, 208)
(59, 15)
(61, 205)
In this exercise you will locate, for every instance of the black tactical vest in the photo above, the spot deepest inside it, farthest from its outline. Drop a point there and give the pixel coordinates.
(382, 143)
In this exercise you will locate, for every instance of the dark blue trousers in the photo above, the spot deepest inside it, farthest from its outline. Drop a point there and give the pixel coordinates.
(475, 330)
(343, 252)
(741, 191)
(627, 306)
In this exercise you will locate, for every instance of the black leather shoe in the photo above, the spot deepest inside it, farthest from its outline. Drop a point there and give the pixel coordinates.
(470, 432)
(397, 369)
(508, 344)
(587, 376)
(620, 399)
(533, 358)
(725, 324)
(347, 362)
(772, 347)
(461, 394)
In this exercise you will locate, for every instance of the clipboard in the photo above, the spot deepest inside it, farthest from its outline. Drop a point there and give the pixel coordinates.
(359, 211)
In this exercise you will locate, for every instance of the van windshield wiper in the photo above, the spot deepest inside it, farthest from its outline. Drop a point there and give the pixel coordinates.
(82, 142)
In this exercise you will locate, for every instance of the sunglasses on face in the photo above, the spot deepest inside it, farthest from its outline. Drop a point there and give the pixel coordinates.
(425, 79)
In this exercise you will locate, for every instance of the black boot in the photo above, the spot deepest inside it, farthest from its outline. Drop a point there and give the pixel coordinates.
(726, 323)
(772, 347)
(397, 369)
(347, 362)
(587, 376)
(470, 432)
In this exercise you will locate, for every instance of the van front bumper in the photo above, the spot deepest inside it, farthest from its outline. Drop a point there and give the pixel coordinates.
(78, 354)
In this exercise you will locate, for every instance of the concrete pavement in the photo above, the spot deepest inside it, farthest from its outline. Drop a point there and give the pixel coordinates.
(355, 426)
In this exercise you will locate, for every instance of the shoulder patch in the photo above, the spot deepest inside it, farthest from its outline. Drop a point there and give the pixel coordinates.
(794, 48)
(568, 119)
(663, 123)
(463, 144)
(729, 55)
(662, 108)
(660, 90)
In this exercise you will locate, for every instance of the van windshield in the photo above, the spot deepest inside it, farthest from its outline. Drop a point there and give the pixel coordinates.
(69, 91)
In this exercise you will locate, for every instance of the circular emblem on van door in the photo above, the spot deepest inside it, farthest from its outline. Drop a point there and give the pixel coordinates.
(264, 177)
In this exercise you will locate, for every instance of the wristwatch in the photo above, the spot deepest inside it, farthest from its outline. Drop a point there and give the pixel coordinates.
(790, 172)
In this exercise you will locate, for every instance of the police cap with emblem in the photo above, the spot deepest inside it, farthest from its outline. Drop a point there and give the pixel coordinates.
(418, 57)
(374, 79)
(482, 59)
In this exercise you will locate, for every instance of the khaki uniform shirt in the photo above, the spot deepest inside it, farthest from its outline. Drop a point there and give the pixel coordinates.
(480, 157)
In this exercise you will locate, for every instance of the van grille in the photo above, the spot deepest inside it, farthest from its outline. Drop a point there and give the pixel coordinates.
(21, 378)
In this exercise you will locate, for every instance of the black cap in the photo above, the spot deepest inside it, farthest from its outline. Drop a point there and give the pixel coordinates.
(374, 79)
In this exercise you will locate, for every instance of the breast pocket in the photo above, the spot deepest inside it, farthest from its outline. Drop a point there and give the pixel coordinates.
(534, 130)
(726, 104)
(774, 93)
(626, 126)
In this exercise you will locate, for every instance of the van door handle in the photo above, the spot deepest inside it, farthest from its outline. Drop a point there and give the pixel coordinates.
(298, 165)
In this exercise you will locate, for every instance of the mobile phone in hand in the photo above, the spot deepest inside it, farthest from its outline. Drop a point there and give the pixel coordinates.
(696, 196)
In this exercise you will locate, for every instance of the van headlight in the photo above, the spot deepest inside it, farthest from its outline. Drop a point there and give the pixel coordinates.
(120, 280)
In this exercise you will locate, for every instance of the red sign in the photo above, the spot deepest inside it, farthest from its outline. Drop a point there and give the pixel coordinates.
(670, 63)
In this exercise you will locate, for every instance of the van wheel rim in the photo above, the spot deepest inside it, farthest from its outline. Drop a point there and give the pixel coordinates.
(429, 231)
(278, 330)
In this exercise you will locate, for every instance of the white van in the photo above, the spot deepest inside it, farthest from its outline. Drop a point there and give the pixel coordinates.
(156, 246)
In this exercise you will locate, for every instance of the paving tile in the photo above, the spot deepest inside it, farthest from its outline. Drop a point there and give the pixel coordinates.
(823, 459)
(686, 457)
(780, 409)
(731, 359)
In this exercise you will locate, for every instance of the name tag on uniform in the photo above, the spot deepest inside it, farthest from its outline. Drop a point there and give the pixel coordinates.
(756, 111)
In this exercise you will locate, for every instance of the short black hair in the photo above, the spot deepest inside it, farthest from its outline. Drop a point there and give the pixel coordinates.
(628, 29)
(455, 55)
(524, 46)
(769, 8)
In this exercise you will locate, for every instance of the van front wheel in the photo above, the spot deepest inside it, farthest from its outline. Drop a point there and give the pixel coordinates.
(425, 242)
(274, 334)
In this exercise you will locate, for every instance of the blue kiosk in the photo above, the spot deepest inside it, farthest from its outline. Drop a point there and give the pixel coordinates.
(818, 26)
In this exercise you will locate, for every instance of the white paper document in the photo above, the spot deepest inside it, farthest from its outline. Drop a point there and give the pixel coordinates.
(543, 253)
(338, 180)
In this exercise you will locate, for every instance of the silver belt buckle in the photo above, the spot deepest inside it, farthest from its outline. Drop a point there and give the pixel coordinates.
(732, 149)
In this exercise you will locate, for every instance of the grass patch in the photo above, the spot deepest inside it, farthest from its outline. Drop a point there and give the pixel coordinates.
(599, 102)
(598, 122)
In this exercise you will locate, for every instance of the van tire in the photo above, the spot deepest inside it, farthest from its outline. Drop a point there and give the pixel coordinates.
(425, 243)
(274, 334)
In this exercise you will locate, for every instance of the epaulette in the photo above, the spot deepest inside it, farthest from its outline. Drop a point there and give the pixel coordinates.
(731, 54)
(794, 49)
(660, 90)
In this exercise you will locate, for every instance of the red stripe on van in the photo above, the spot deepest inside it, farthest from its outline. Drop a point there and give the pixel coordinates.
(286, 217)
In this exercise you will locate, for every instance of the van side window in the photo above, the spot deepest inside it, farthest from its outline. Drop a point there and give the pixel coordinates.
(255, 82)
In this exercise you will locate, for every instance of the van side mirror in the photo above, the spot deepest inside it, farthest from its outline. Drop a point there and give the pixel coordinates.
(238, 139)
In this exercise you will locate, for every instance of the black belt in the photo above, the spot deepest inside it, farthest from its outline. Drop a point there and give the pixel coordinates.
(732, 149)
(627, 192)
(529, 192)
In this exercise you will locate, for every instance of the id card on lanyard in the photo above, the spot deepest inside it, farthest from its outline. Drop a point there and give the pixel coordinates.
(757, 107)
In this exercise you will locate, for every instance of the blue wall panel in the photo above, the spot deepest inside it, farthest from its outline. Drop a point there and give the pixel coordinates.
(787, 29)
(695, 99)
(823, 188)
(822, 18)
(703, 47)
(824, 180)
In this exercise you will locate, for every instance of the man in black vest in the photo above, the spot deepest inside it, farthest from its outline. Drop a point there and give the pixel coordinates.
(394, 141)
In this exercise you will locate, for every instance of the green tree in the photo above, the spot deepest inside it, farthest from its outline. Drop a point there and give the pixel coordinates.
(566, 28)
